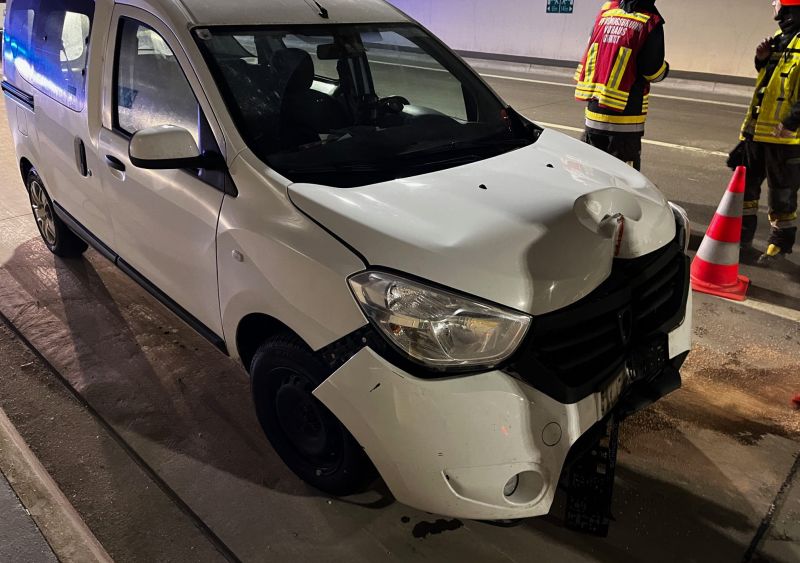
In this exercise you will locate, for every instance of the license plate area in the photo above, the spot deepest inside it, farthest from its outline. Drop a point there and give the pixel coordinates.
(648, 360)
(645, 362)
(610, 394)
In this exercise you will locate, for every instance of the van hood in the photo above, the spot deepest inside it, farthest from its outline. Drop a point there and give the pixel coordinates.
(534, 229)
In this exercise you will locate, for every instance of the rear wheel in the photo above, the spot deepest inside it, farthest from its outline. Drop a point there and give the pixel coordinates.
(305, 434)
(56, 235)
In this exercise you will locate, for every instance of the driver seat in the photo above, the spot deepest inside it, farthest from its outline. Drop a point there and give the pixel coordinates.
(305, 113)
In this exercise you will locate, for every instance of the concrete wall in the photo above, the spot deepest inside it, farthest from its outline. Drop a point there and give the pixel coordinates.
(709, 36)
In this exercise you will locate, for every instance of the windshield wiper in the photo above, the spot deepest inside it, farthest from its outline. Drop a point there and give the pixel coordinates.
(402, 164)
(334, 168)
(459, 146)
(385, 167)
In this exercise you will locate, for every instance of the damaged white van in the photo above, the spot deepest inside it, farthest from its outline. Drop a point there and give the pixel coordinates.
(419, 280)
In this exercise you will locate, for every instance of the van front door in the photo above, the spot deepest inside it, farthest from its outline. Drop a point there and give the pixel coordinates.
(165, 221)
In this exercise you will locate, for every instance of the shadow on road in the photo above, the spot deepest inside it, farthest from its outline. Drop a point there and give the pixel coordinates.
(657, 521)
(160, 385)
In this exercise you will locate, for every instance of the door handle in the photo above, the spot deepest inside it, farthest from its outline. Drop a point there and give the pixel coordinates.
(80, 157)
(115, 163)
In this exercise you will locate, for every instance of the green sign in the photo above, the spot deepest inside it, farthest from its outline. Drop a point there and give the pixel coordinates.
(560, 6)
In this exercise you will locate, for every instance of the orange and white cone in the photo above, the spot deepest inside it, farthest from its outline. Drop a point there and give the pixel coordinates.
(715, 269)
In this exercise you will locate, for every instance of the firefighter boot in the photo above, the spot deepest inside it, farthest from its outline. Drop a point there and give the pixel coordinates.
(781, 242)
(773, 255)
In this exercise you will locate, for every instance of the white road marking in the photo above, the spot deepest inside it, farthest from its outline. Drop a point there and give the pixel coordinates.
(645, 141)
(770, 309)
(568, 85)
(665, 96)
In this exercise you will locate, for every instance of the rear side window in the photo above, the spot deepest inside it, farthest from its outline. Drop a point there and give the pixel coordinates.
(151, 88)
(47, 42)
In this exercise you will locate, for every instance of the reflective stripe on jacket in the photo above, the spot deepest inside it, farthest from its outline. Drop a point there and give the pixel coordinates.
(773, 101)
(609, 67)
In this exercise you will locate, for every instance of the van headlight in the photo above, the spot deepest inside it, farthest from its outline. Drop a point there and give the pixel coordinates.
(683, 225)
(435, 327)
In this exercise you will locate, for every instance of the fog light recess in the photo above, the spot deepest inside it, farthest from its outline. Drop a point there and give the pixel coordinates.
(524, 488)
(511, 486)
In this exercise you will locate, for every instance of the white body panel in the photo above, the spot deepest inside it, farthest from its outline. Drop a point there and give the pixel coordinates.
(291, 269)
(523, 242)
(449, 446)
(165, 225)
(85, 198)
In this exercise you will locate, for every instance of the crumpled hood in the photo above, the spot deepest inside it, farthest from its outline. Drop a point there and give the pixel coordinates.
(540, 236)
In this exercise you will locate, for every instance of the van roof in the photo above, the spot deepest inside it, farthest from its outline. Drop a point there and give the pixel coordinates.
(251, 12)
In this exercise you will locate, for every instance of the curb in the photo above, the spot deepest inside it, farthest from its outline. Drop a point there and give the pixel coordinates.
(59, 522)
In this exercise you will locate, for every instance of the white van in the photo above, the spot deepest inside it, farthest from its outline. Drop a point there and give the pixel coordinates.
(418, 279)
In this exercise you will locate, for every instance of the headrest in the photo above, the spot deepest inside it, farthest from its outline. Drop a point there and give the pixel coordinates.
(53, 28)
(293, 68)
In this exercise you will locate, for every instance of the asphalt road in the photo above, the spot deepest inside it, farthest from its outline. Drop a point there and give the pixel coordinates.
(707, 475)
(20, 539)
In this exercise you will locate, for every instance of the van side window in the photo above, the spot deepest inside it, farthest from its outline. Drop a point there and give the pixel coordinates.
(48, 42)
(18, 44)
(151, 89)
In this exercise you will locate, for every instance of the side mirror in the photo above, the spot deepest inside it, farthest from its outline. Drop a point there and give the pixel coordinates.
(169, 147)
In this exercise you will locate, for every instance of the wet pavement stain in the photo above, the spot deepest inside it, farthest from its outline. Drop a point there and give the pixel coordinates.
(424, 529)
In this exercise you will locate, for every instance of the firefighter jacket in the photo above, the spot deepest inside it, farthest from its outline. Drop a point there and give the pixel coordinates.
(625, 54)
(777, 96)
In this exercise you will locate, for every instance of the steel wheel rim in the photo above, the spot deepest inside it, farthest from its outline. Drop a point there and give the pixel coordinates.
(319, 447)
(43, 213)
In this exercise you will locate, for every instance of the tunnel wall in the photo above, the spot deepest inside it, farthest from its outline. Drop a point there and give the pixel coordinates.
(709, 36)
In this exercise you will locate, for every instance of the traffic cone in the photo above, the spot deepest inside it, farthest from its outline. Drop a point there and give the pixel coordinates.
(715, 269)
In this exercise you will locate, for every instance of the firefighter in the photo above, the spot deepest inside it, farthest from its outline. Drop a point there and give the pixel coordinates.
(771, 136)
(625, 55)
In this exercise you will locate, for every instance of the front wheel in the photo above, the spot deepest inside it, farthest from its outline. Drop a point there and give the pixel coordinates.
(305, 434)
(56, 235)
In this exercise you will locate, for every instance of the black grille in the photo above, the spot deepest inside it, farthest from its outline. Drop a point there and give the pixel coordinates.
(571, 352)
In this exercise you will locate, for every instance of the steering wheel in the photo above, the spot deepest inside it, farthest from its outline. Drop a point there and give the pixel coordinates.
(392, 104)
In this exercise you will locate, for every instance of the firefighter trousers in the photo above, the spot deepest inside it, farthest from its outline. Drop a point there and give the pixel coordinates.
(779, 165)
(625, 146)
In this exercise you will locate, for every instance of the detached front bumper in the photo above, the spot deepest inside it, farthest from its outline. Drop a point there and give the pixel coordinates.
(449, 446)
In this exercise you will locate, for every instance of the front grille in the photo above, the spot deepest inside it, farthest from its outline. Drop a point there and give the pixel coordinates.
(570, 352)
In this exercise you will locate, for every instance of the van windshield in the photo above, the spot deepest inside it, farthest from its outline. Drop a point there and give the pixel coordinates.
(351, 105)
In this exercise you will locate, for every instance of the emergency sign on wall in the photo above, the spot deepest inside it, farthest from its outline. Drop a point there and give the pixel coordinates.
(560, 6)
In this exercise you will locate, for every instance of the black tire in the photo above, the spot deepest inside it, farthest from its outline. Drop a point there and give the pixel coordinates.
(306, 435)
(56, 235)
